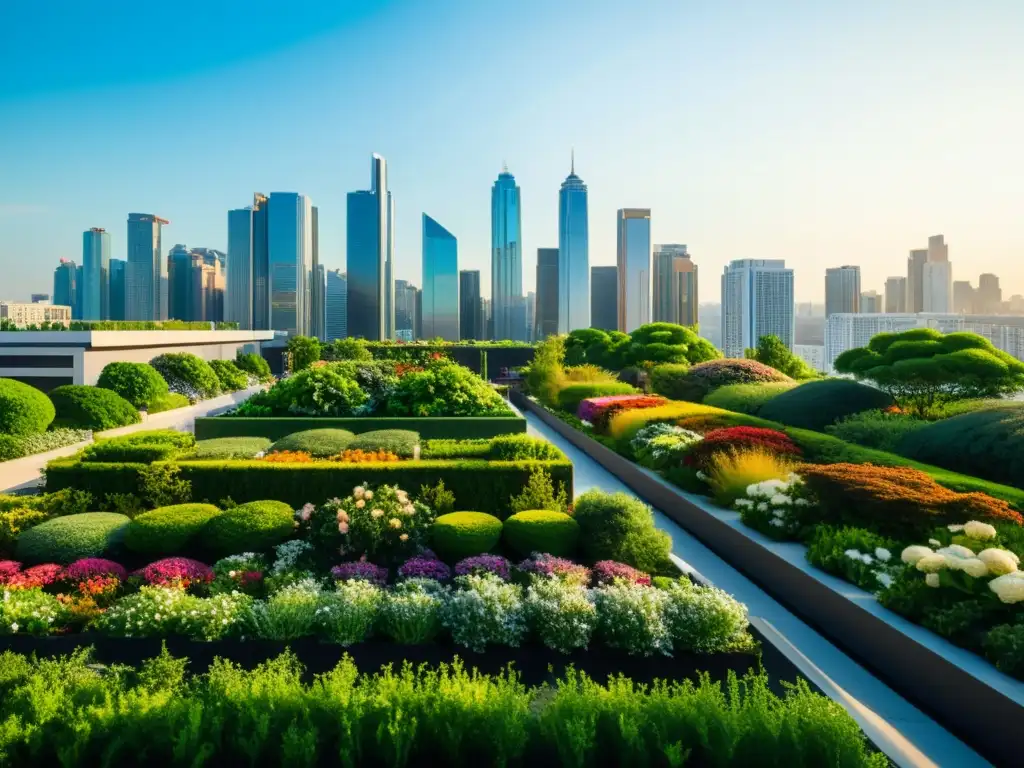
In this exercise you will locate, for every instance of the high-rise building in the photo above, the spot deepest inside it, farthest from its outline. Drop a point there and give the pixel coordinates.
(179, 283)
(248, 302)
(531, 316)
(604, 298)
(634, 263)
(146, 279)
(842, 290)
(757, 300)
(896, 294)
(65, 288)
(196, 284)
(549, 292)
(417, 313)
(79, 282)
(405, 306)
(40, 298)
(963, 297)
(573, 285)
(870, 302)
(674, 296)
(938, 286)
(290, 260)
(372, 298)
(118, 267)
(990, 295)
(318, 313)
(915, 280)
(471, 314)
(337, 301)
(506, 258)
(440, 282)
(96, 274)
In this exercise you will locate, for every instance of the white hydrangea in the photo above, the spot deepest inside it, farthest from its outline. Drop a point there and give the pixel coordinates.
(932, 580)
(980, 531)
(911, 555)
(955, 550)
(932, 563)
(1009, 588)
(999, 561)
(974, 567)
(883, 554)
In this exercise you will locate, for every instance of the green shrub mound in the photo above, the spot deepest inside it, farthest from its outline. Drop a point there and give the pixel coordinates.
(253, 527)
(138, 383)
(254, 364)
(231, 377)
(168, 402)
(541, 530)
(141, 447)
(463, 534)
(695, 382)
(817, 404)
(617, 526)
(444, 388)
(187, 374)
(570, 397)
(81, 407)
(319, 443)
(523, 447)
(24, 410)
(747, 398)
(876, 429)
(988, 443)
(11, 447)
(66, 539)
(231, 447)
(401, 442)
(169, 530)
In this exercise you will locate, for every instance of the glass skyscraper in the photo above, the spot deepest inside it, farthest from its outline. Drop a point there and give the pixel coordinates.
(471, 314)
(117, 271)
(247, 302)
(318, 317)
(96, 274)
(179, 276)
(290, 252)
(634, 262)
(507, 259)
(370, 240)
(440, 282)
(674, 296)
(336, 301)
(549, 284)
(573, 254)
(757, 300)
(604, 298)
(146, 278)
(65, 286)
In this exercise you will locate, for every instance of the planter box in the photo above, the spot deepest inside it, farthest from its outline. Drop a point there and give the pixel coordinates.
(962, 691)
(430, 428)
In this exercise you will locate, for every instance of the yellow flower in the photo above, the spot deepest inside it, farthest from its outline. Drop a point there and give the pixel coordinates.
(394, 522)
(404, 537)
(377, 513)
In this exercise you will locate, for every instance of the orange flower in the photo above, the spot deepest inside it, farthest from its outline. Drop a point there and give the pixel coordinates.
(359, 456)
(285, 457)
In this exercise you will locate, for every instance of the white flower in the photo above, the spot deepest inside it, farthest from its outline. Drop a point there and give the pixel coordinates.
(979, 531)
(776, 522)
(955, 528)
(358, 491)
(368, 495)
(232, 574)
(955, 550)
(883, 554)
(934, 543)
(886, 580)
(780, 499)
(377, 513)
(744, 503)
(360, 504)
(999, 561)
(762, 506)
(972, 566)
(932, 580)
(912, 554)
(853, 554)
(802, 503)
(14, 626)
(932, 563)
(1009, 587)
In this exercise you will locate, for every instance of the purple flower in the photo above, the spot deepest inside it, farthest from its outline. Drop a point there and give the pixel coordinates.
(421, 567)
(361, 571)
(609, 571)
(176, 570)
(80, 570)
(481, 564)
(549, 565)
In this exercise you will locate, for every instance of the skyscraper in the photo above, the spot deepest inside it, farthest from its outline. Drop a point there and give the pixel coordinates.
(470, 309)
(842, 290)
(372, 306)
(674, 296)
(76, 308)
(604, 298)
(573, 286)
(65, 291)
(634, 263)
(915, 280)
(440, 282)
(937, 277)
(506, 258)
(405, 306)
(549, 293)
(963, 297)
(896, 294)
(196, 284)
(290, 260)
(146, 276)
(870, 302)
(990, 295)
(757, 300)
(318, 313)
(117, 273)
(96, 274)
(247, 265)
(179, 279)
(336, 301)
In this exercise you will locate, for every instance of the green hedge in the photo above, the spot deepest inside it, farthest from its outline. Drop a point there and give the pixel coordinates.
(570, 396)
(82, 407)
(747, 398)
(253, 527)
(138, 383)
(542, 530)
(429, 428)
(72, 537)
(230, 448)
(464, 534)
(24, 410)
(171, 530)
(817, 404)
(401, 442)
(319, 443)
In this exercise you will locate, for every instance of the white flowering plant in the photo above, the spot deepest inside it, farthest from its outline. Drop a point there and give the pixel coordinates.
(411, 612)
(561, 614)
(288, 614)
(631, 618)
(705, 619)
(165, 611)
(775, 507)
(240, 573)
(347, 615)
(857, 555)
(29, 612)
(484, 610)
(658, 446)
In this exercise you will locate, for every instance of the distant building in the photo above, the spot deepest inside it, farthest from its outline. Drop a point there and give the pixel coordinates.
(870, 302)
(674, 296)
(96, 274)
(372, 289)
(196, 284)
(336, 301)
(842, 290)
(440, 282)
(471, 313)
(896, 294)
(318, 314)
(23, 313)
(989, 295)
(146, 279)
(634, 263)
(290, 257)
(248, 264)
(813, 355)
(573, 284)
(40, 298)
(915, 280)
(938, 287)
(65, 288)
(757, 300)
(548, 293)
(507, 309)
(117, 273)
(604, 298)
(963, 297)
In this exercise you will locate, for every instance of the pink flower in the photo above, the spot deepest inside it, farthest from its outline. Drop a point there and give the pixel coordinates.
(342, 528)
(88, 567)
(8, 569)
(173, 571)
(360, 504)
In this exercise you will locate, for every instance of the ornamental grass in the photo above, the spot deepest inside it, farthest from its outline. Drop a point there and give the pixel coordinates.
(598, 411)
(731, 472)
(739, 439)
(624, 424)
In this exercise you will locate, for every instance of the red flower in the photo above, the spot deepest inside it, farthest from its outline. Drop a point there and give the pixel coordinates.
(739, 438)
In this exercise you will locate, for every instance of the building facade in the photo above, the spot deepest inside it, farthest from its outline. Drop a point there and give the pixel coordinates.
(471, 312)
(372, 297)
(440, 282)
(549, 293)
(604, 298)
(247, 299)
(337, 305)
(915, 280)
(963, 297)
(290, 262)
(506, 258)
(938, 287)
(146, 279)
(813, 355)
(842, 290)
(870, 302)
(573, 286)
(634, 265)
(26, 313)
(318, 294)
(118, 268)
(757, 300)
(990, 295)
(95, 274)
(65, 286)
(674, 295)
(896, 294)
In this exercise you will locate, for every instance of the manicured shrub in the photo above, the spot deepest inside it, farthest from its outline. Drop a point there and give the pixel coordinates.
(459, 535)
(616, 526)
(771, 441)
(542, 530)
(24, 410)
(484, 610)
(72, 537)
(11, 447)
(444, 388)
(482, 564)
(82, 407)
(541, 492)
(570, 396)
(705, 619)
(138, 383)
(319, 443)
(883, 430)
(696, 381)
(254, 365)
(747, 398)
(187, 374)
(399, 441)
(598, 411)
(455, 449)
(141, 447)
(625, 424)
(523, 447)
(817, 404)
(252, 527)
(231, 448)
(562, 615)
(660, 446)
(14, 521)
(168, 402)
(631, 618)
(168, 530)
(231, 377)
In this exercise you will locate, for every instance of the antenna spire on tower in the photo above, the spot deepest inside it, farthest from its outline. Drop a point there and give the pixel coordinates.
(504, 167)
(572, 161)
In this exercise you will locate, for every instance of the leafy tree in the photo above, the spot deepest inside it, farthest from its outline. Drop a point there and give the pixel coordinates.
(545, 372)
(347, 349)
(303, 351)
(774, 353)
(650, 343)
(923, 368)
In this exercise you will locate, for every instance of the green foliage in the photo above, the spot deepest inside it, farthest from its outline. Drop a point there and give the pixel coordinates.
(230, 448)
(327, 390)
(694, 382)
(817, 404)
(554, 533)
(254, 365)
(187, 374)
(71, 537)
(303, 351)
(319, 443)
(456, 449)
(438, 498)
(540, 493)
(141, 447)
(16, 446)
(544, 373)
(1004, 647)
(922, 368)
(138, 383)
(747, 398)
(523, 447)
(876, 429)
(82, 407)
(253, 527)
(13, 522)
(401, 442)
(444, 389)
(168, 402)
(434, 428)
(458, 535)
(616, 526)
(828, 550)
(774, 353)
(11, 447)
(648, 344)
(347, 349)
(161, 485)
(171, 530)
(24, 410)
(231, 377)
(570, 396)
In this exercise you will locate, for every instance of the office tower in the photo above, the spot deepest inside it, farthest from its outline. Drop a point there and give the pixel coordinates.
(915, 280)
(118, 267)
(937, 277)
(506, 257)
(207, 292)
(146, 278)
(76, 308)
(634, 263)
(470, 307)
(247, 265)
(417, 313)
(870, 302)
(40, 298)
(196, 284)
(604, 298)
(757, 300)
(549, 262)
(896, 294)
(440, 282)
(337, 301)
(65, 290)
(179, 278)
(96, 274)
(674, 296)
(963, 297)
(990, 295)
(573, 284)
(290, 261)
(372, 299)
(405, 306)
(530, 305)
(937, 248)
(318, 313)
(488, 318)
(842, 290)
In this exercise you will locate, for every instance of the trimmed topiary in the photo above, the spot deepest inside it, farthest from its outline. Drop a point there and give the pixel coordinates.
(620, 527)
(231, 447)
(679, 383)
(138, 383)
(541, 530)
(570, 397)
(319, 443)
(168, 530)
(82, 407)
(817, 404)
(523, 447)
(168, 402)
(11, 447)
(398, 441)
(231, 377)
(747, 398)
(72, 537)
(187, 374)
(141, 447)
(254, 365)
(24, 410)
(253, 527)
(458, 535)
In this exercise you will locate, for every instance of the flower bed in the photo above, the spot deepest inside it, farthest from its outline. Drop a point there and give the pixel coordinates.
(429, 428)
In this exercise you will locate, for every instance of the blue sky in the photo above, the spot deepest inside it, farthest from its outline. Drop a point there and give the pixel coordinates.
(824, 133)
